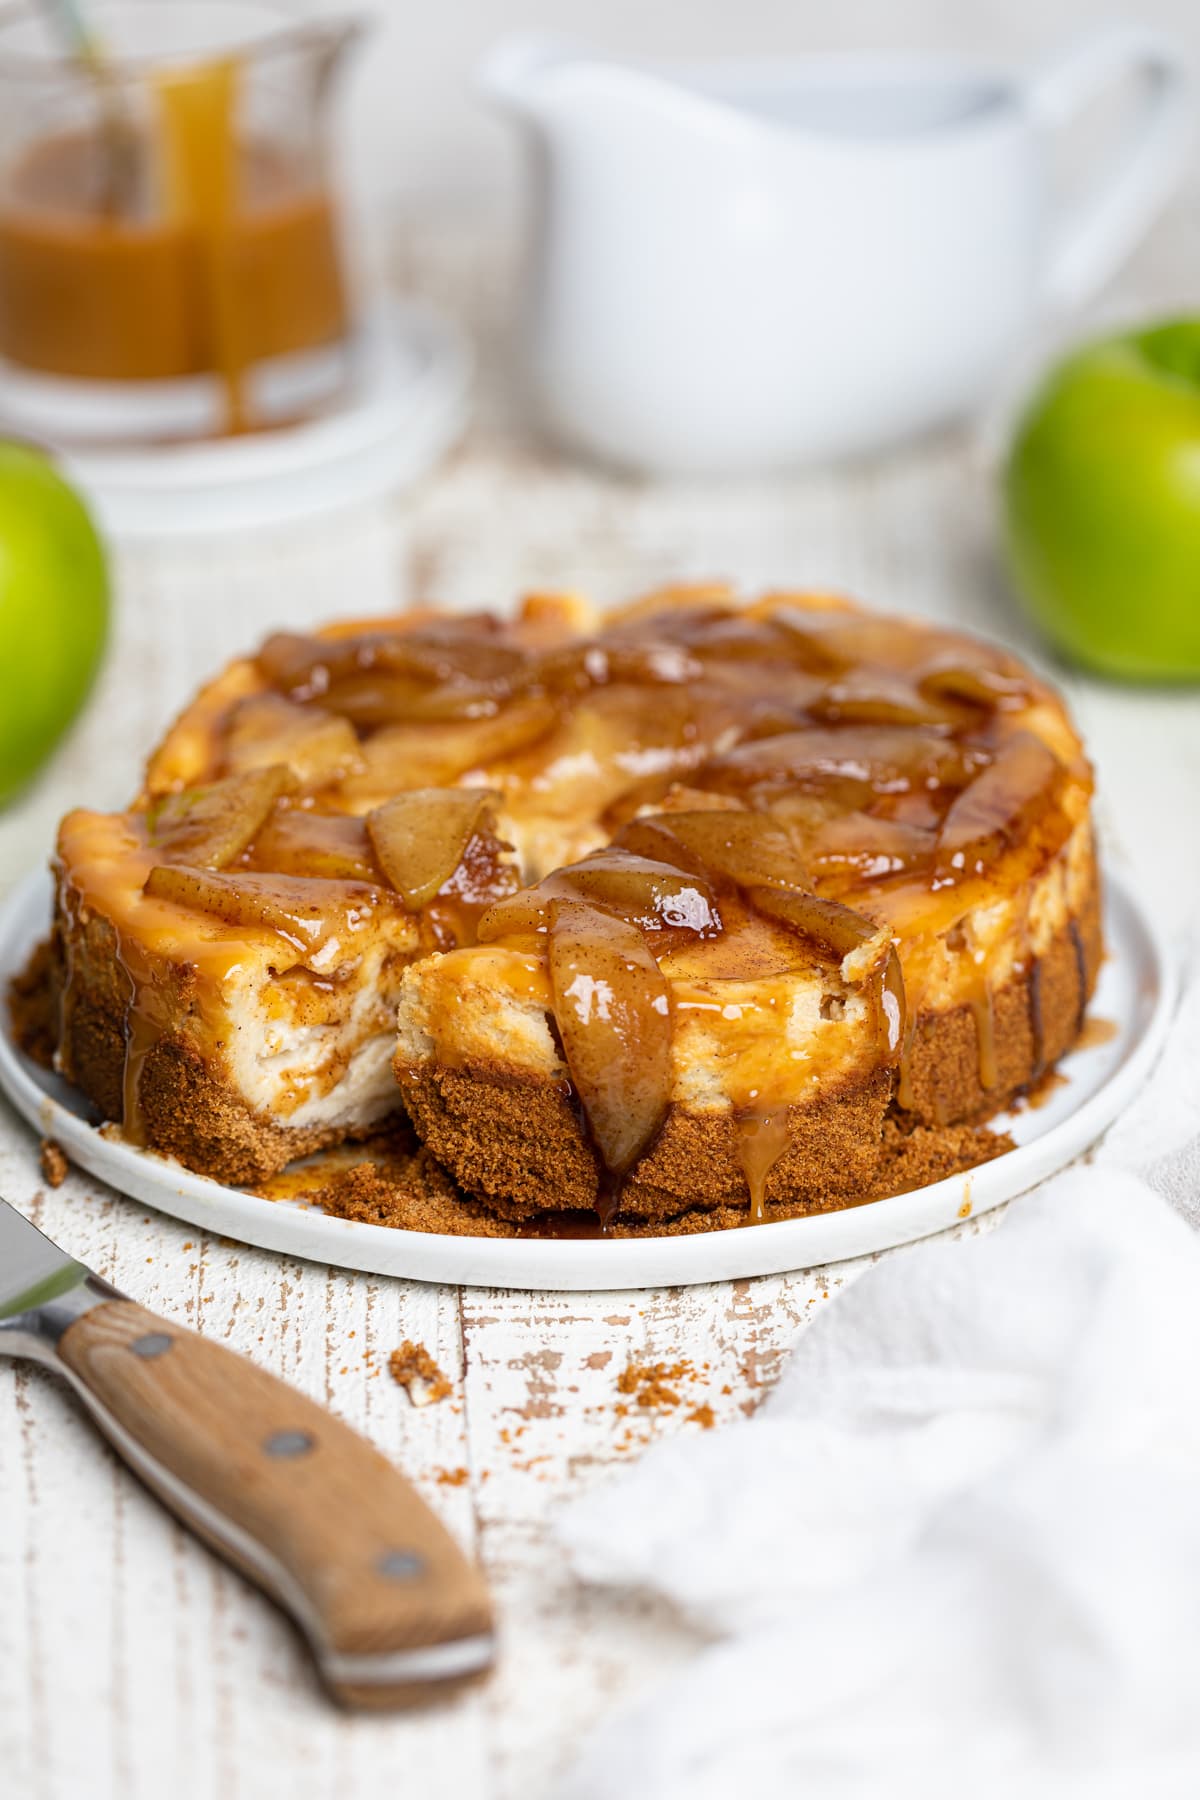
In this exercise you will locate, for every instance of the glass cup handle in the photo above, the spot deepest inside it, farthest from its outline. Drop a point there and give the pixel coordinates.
(1095, 236)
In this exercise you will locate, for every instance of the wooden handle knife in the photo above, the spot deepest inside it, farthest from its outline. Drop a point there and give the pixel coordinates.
(298, 1501)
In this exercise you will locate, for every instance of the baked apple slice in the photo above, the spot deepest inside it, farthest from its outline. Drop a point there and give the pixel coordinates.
(998, 809)
(407, 756)
(302, 909)
(833, 929)
(851, 765)
(856, 848)
(317, 746)
(613, 1012)
(651, 895)
(880, 697)
(835, 933)
(297, 841)
(421, 837)
(374, 697)
(995, 685)
(748, 848)
(645, 893)
(212, 825)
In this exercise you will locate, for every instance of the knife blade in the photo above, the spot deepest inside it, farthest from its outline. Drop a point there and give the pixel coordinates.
(308, 1509)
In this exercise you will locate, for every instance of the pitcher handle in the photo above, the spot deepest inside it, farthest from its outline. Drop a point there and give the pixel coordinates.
(1099, 232)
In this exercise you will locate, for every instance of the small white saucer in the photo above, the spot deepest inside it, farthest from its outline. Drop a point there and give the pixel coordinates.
(407, 403)
(1135, 994)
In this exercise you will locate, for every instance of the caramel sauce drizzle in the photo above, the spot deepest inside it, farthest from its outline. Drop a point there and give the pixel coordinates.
(979, 999)
(762, 1138)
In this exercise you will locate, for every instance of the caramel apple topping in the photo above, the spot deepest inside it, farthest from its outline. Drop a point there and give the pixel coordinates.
(210, 826)
(420, 837)
(613, 1011)
(295, 840)
(642, 892)
(317, 746)
(303, 909)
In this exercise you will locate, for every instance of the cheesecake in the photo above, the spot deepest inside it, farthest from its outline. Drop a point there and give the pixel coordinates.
(683, 911)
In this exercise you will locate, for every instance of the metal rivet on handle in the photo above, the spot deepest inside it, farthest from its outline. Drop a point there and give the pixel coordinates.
(151, 1345)
(289, 1443)
(400, 1565)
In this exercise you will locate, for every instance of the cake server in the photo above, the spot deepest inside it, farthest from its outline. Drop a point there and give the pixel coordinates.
(296, 1500)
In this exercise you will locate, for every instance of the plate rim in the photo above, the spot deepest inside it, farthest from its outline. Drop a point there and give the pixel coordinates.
(570, 1265)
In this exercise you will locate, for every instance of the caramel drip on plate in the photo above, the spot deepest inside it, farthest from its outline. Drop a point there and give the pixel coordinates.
(1044, 1089)
(762, 1138)
(1096, 1032)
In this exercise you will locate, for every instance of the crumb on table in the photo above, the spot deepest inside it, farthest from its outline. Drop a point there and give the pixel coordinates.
(416, 1372)
(55, 1167)
(654, 1384)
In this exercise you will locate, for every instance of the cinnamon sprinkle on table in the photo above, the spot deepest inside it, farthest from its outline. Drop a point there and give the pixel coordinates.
(649, 1384)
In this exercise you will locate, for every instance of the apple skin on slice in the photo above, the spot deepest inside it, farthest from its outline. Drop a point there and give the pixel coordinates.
(420, 837)
(613, 1012)
(208, 827)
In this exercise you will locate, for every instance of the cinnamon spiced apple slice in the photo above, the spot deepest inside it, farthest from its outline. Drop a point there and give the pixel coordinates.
(613, 1012)
(641, 891)
(211, 826)
(675, 1041)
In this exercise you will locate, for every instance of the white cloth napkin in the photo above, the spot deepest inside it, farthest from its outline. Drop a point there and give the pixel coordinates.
(957, 1550)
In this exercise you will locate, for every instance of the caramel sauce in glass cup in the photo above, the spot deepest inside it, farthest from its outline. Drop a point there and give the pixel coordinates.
(169, 255)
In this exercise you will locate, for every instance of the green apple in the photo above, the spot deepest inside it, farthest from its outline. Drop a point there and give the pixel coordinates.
(53, 611)
(1102, 503)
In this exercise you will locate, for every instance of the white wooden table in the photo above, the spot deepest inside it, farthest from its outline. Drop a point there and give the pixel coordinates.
(133, 1663)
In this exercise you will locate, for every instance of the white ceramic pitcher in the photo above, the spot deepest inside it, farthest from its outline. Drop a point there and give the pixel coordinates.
(742, 265)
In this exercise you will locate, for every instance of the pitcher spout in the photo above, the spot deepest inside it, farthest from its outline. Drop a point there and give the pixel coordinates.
(535, 78)
(512, 74)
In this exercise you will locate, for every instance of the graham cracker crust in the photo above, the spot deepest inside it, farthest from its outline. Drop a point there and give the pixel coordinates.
(407, 1189)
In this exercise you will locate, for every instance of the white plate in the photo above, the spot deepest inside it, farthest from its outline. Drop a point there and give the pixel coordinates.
(406, 404)
(1134, 993)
